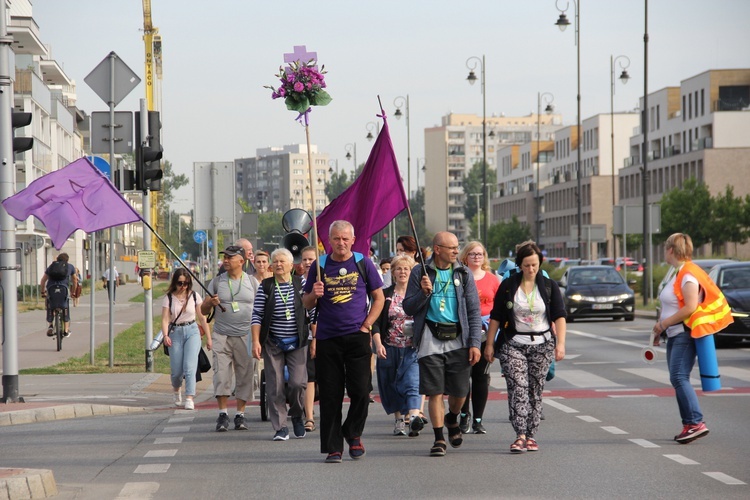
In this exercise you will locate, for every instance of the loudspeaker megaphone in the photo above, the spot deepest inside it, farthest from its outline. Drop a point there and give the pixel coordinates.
(297, 223)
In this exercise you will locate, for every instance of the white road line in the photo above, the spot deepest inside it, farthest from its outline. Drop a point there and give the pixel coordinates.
(138, 490)
(180, 420)
(660, 375)
(682, 460)
(177, 428)
(170, 440)
(644, 443)
(640, 345)
(624, 389)
(738, 373)
(160, 453)
(582, 378)
(152, 469)
(720, 476)
(596, 362)
(714, 394)
(623, 396)
(614, 430)
(560, 406)
(588, 418)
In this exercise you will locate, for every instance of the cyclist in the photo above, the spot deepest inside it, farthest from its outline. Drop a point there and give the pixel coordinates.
(60, 272)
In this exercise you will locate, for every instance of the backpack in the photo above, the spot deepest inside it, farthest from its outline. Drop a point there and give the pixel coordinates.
(359, 260)
(58, 271)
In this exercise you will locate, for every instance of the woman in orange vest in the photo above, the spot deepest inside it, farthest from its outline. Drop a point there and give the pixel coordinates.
(680, 299)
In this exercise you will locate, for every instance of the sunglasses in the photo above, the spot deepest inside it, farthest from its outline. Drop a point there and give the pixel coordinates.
(182, 283)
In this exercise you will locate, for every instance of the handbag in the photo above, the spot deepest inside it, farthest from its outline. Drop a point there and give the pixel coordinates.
(286, 344)
(203, 362)
(551, 372)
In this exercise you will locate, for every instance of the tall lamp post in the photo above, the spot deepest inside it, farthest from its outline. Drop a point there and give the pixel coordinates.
(370, 127)
(351, 148)
(624, 77)
(562, 23)
(398, 102)
(420, 166)
(472, 64)
(548, 98)
(648, 271)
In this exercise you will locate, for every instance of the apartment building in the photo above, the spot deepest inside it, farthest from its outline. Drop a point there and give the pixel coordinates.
(455, 146)
(277, 178)
(700, 129)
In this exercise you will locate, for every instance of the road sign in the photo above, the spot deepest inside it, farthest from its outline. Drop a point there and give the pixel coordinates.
(210, 243)
(101, 164)
(199, 236)
(123, 132)
(101, 81)
(214, 184)
(184, 255)
(37, 241)
(629, 219)
(595, 233)
(146, 259)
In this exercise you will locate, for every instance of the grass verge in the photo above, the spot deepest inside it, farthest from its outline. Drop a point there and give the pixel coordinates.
(157, 291)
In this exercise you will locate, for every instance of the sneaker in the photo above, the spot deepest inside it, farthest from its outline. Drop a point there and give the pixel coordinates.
(239, 423)
(691, 432)
(222, 423)
(281, 435)
(465, 422)
(477, 427)
(177, 396)
(399, 428)
(189, 405)
(299, 427)
(334, 458)
(66, 334)
(50, 331)
(415, 426)
(356, 448)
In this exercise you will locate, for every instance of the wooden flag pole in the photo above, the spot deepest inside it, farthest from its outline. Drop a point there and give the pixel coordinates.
(312, 197)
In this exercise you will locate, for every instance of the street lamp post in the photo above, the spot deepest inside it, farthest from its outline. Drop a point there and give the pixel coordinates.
(648, 268)
(420, 166)
(351, 148)
(562, 23)
(549, 99)
(370, 127)
(398, 102)
(624, 77)
(472, 63)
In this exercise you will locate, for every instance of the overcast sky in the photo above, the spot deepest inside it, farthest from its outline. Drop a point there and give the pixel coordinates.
(219, 54)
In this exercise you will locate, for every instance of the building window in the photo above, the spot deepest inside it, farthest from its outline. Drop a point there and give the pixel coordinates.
(298, 161)
(703, 102)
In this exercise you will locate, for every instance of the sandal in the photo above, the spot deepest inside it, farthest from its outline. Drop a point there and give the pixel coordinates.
(531, 445)
(438, 449)
(424, 419)
(518, 446)
(309, 425)
(454, 435)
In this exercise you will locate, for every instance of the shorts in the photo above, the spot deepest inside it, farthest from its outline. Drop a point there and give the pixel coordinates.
(445, 373)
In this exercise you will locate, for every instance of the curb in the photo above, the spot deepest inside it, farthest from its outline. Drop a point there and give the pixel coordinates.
(27, 483)
(63, 412)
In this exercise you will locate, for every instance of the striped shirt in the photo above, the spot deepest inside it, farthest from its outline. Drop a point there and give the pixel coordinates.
(282, 325)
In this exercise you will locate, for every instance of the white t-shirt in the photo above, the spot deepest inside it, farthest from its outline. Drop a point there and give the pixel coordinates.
(530, 318)
(669, 304)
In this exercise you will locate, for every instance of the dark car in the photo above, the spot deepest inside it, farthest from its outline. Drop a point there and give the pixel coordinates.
(596, 292)
(733, 279)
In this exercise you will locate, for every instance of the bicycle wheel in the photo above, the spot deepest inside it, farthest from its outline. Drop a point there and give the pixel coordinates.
(58, 324)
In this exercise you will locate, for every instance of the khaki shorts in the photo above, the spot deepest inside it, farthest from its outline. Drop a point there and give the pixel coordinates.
(230, 357)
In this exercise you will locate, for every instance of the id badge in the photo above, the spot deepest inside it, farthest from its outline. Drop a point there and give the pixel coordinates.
(235, 306)
(442, 305)
(288, 314)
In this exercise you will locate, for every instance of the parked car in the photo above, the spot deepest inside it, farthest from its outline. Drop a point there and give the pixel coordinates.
(596, 292)
(733, 279)
(630, 265)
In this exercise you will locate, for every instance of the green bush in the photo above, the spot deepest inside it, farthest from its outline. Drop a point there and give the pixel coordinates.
(30, 291)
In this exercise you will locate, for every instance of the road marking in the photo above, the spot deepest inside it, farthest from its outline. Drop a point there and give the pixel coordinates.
(160, 453)
(614, 430)
(588, 418)
(180, 420)
(560, 406)
(738, 373)
(582, 378)
(644, 443)
(152, 469)
(720, 476)
(623, 396)
(597, 362)
(614, 341)
(171, 440)
(177, 428)
(624, 389)
(660, 375)
(138, 490)
(725, 394)
(682, 460)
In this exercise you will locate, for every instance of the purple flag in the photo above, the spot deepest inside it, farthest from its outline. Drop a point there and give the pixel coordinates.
(77, 196)
(372, 201)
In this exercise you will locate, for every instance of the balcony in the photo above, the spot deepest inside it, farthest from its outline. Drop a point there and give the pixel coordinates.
(703, 143)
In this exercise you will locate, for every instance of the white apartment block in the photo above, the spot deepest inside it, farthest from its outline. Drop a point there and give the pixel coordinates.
(451, 150)
(278, 179)
(700, 129)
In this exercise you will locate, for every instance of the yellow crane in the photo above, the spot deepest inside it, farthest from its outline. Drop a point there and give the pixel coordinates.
(152, 42)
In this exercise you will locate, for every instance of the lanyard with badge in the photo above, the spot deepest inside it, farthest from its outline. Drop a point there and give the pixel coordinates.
(285, 299)
(235, 304)
(442, 291)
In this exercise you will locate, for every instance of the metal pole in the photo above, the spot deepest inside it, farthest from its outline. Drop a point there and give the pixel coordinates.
(612, 135)
(7, 223)
(214, 216)
(485, 190)
(644, 176)
(148, 297)
(112, 282)
(578, 130)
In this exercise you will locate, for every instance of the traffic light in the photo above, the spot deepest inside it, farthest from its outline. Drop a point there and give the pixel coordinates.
(148, 171)
(20, 120)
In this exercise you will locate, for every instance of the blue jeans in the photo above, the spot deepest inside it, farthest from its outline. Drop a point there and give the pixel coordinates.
(183, 356)
(398, 380)
(680, 360)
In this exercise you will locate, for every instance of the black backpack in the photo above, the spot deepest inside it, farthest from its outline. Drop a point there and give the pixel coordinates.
(58, 271)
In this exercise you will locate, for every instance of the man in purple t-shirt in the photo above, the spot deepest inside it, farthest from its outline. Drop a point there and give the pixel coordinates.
(343, 349)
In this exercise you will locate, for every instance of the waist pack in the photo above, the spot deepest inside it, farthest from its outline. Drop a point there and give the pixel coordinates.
(286, 344)
(444, 331)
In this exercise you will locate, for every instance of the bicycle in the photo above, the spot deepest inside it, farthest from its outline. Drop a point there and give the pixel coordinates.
(57, 297)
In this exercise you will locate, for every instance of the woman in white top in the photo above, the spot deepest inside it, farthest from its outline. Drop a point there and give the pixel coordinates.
(180, 318)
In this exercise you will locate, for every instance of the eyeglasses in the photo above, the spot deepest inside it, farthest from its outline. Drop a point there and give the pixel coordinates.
(182, 283)
(474, 255)
(452, 249)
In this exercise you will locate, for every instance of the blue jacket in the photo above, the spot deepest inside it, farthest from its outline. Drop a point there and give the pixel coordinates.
(416, 303)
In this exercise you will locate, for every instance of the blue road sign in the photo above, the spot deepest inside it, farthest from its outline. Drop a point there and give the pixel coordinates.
(210, 243)
(199, 236)
(101, 164)
(184, 255)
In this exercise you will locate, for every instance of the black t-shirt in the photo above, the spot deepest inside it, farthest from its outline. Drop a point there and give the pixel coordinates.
(66, 281)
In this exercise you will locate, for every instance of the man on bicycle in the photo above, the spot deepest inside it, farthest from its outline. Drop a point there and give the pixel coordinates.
(62, 274)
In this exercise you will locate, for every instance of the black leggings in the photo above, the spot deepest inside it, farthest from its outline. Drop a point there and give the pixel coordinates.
(480, 387)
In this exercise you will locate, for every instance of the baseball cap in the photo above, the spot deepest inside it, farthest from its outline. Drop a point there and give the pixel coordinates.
(234, 250)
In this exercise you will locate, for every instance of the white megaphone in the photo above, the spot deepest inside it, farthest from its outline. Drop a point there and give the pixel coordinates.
(648, 354)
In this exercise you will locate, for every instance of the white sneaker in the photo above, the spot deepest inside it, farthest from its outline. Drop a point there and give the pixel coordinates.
(189, 405)
(178, 398)
(399, 429)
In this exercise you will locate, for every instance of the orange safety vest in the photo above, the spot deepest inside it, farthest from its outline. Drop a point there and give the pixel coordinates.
(713, 313)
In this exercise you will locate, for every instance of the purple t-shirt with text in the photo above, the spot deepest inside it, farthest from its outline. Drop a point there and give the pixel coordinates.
(343, 307)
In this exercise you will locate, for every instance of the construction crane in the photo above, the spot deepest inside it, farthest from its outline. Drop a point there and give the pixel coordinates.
(152, 42)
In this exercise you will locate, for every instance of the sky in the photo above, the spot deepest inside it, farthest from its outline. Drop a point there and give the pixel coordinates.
(218, 55)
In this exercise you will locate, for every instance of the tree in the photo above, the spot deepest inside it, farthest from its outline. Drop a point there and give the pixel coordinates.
(726, 220)
(472, 184)
(417, 212)
(504, 236)
(687, 210)
(270, 229)
(170, 183)
(336, 185)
